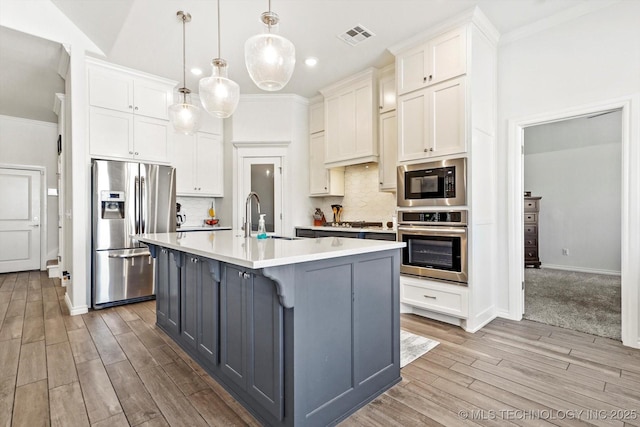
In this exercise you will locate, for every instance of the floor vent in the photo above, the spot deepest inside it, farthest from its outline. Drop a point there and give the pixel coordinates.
(355, 35)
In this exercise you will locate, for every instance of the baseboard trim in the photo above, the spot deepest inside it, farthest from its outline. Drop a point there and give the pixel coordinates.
(81, 309)
(507, 315)
(480, 320)
(582, 269)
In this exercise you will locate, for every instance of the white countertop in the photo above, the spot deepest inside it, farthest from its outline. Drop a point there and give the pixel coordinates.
(229, 246)
(350, 229)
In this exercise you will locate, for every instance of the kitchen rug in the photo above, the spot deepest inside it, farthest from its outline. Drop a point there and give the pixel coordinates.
(413, 346)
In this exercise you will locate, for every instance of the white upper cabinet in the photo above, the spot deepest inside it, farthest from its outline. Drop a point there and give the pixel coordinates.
(199, 163)
(322, 181)
(316, 117)
(351, 120)
(431, 121)
(128, 116)
(387, 130)
(387, 168)
(437, 60)
(387, 93)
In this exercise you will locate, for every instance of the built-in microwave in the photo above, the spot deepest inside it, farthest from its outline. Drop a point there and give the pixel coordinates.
(441, 183)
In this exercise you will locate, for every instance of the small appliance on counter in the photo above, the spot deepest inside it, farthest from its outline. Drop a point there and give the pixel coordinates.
(318, 218)
(181, 217)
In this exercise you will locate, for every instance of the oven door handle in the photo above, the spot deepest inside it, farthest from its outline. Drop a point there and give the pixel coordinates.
(435, 230)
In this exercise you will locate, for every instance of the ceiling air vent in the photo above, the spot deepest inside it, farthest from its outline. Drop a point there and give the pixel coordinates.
(355, 35)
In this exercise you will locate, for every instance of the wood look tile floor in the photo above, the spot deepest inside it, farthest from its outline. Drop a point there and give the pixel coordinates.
(114, 368)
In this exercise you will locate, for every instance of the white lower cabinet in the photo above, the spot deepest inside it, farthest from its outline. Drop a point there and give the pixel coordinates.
(442, 298)
(114, 134)
(323, 181)
(198, 160)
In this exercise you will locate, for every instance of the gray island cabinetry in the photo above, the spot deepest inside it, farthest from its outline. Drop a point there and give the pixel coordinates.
(301, 332)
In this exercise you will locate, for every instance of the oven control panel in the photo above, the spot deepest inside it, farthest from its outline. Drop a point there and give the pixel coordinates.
(433, 217)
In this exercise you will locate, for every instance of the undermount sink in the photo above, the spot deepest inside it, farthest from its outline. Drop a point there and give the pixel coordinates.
(282, 237)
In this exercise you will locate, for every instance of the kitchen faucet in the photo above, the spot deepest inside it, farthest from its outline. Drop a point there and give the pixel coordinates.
(247, 212)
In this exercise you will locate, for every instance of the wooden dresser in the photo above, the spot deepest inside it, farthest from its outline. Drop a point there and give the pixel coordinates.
(531, 214)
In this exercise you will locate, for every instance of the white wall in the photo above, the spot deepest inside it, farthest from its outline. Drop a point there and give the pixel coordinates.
(593, 58)
(34, 143)
(580, 206)
(261, 120)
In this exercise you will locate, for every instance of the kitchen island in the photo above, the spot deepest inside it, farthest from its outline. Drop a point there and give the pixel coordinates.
(302, 332)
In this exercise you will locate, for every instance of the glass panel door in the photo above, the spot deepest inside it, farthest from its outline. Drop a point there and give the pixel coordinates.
(263, 176)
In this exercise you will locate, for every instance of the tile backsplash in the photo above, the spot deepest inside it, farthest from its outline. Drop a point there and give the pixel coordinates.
(197, 209)
(362, 200)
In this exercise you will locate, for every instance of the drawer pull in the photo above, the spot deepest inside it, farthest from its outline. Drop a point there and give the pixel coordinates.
(430, 297)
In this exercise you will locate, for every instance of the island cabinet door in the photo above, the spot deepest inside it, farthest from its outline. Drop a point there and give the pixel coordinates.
(168, 290)
(265, 355)
(189, 292)
(233, 329)
(172, 324)
(208, 291)
(162, 287)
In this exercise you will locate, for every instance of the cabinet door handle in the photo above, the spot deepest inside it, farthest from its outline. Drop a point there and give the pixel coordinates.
(164, 251)
(424, 80)
(430, 149)
(130, 152)
(425, 150)
(246, 275)
(239, 273)
(380, 107)
(429, 296)
(430, 77)
(130, 107)
(136, 108)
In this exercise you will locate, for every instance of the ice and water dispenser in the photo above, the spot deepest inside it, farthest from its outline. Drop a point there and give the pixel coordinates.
(112, 203)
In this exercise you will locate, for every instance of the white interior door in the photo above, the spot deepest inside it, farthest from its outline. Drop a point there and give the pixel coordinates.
(19, 220)
(264, 176)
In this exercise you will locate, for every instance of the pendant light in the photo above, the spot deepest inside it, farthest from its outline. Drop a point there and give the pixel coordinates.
(218, 94)
(270, 58)
(184, 116)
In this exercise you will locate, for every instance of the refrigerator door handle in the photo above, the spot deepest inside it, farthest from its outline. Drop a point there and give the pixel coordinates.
(143, 201)
(137, 205)
(135, 255)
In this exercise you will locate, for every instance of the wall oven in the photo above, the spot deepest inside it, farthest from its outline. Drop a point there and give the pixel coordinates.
(441, 183)
(436, 244)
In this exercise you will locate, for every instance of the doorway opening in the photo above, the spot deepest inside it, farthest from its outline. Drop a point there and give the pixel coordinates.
(572, 223)
(630, 207)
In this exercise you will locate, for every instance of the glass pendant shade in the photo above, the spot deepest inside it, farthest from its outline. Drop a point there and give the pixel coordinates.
(185, 117)
(270, 58)
(218, 94)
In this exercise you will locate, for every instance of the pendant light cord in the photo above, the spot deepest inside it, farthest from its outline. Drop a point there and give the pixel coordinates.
(184, 60)
(219, 29)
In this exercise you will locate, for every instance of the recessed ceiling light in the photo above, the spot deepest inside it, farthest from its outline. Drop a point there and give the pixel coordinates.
(196, 71)
(311, 61)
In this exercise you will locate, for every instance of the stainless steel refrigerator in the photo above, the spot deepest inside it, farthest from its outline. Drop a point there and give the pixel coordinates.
(128, 199)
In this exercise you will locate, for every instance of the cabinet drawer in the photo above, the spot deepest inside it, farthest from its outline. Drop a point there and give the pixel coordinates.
(530, 217)
(530, 241)
(448, 299)
(531, 206)
(302, 232)
(531, 254)
(530, 229)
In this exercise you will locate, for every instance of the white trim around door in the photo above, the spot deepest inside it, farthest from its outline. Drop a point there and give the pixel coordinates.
(630, 239)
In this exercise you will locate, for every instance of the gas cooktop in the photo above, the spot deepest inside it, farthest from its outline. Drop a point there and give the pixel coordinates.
(353, 224)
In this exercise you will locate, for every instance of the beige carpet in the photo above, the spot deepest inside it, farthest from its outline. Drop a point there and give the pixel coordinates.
(582, 302)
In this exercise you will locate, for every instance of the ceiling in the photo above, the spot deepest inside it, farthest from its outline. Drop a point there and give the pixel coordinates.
(146, 34)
